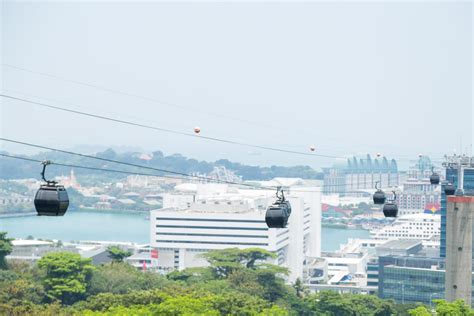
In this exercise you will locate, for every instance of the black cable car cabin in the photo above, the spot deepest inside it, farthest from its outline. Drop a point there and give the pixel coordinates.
(449, 189)
(277, 214)
(434, 178)
(51, 199)
(390, 209)
(379, 195)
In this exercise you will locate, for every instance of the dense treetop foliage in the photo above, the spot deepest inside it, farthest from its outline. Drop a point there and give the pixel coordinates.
(5, 249)
(237, 282)
(118, 254)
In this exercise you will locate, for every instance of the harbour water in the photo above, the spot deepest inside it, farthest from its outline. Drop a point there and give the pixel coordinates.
(122, 226)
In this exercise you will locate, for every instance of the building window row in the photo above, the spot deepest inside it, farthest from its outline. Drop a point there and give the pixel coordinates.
(285, 239)
(209, 220)
(212, 235)
(213, 242)
(211, 227)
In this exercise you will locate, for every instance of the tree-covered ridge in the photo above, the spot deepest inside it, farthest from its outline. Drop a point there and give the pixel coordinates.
(237, 282)
(17, 169)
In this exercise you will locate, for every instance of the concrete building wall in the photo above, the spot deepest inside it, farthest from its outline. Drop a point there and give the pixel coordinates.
(312, 200)
(296, 252)
(459, 248)
(177, 200)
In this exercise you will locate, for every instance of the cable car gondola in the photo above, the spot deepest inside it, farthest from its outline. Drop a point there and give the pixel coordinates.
(390, 209)
(379, 195)
(278, 213)
(449, 189)
(434, 178)
(51, 199)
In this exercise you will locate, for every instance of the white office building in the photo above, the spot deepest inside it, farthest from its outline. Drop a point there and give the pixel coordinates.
(218, 217)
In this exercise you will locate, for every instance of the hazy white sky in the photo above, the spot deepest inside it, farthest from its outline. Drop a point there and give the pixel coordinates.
(347, 77)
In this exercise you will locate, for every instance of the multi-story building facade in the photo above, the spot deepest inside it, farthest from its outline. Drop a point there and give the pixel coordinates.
(236, 218)
(356, 174)
(418, 195)
(372, 276)
(409, 279)
(419, 200)
(388, 248)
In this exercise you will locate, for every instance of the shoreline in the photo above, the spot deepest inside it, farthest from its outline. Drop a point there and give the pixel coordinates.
(18, 214)
(81, 210)
(343, 226)
(123, 226)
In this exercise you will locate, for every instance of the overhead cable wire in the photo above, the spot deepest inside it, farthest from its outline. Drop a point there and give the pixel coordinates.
(149, 99)
(161, 129)
(137, 96)
(28, 95)
(140, 97)
(145, 98)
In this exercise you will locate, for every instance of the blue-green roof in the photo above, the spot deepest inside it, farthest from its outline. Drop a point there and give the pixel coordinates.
(366, 164)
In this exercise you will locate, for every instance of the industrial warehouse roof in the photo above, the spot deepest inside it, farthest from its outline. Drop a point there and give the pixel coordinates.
(26, 242)
(365, 164)
(186, 187)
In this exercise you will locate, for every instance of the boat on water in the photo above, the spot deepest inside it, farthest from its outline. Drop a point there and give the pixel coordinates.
(413, 226)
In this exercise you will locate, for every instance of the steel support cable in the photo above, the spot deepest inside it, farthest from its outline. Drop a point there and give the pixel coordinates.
(141, 97)
(161, 129)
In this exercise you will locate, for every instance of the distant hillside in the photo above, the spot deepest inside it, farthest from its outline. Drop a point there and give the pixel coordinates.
(17, 169)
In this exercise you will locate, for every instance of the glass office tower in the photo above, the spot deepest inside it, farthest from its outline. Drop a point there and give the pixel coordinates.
(452, 176)
(408, 279)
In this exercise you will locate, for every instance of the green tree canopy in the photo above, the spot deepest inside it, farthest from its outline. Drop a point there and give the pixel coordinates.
(252, 286)
(225, 261)
(66, 276)
(123, 278)
(336, 304)
(456, 308)
(420, 311)
(5, 249)
(443, 308)
(118, 254)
